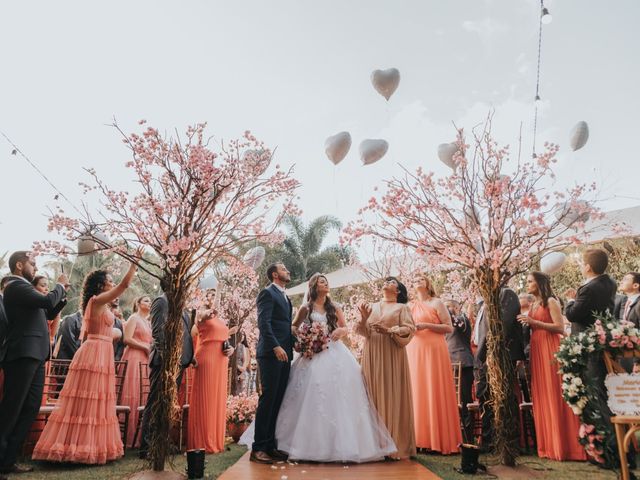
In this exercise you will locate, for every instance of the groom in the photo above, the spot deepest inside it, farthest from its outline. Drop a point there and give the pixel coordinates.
(274, 353)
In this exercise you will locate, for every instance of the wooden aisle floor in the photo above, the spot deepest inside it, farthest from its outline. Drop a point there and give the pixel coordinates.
(402, 470)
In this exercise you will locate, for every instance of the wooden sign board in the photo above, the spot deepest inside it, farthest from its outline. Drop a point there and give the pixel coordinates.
(623, 393)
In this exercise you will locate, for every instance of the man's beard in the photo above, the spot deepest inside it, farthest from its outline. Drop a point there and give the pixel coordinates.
(28, 276)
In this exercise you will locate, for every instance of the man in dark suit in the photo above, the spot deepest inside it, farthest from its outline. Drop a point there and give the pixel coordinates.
(509, 310)
(274, 353)
(27, 349)
(118, 330)
(630, 286)
(69, 336)
(159, 313)
(459, 345)
(4, 323)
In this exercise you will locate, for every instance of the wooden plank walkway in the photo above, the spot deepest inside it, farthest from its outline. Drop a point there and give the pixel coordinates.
(402, 470)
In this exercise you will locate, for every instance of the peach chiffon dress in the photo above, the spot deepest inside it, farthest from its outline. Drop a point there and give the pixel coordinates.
(386, 372)
(132, 380)
(435, 406)
(83, 427)
(556, 424)
(208, 402)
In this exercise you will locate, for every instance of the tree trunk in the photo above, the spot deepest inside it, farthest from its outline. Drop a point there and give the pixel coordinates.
(164, 413)
(500, 374)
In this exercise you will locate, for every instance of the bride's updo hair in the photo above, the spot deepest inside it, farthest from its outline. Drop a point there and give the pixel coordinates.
(329, 307)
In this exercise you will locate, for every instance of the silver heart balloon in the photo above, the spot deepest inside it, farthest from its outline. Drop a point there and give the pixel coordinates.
(386, 81)
(337, 146)
(446, 151)
(372, 150)
(579, 135)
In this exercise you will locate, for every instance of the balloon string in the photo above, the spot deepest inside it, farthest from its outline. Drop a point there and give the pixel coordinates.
(537, 97)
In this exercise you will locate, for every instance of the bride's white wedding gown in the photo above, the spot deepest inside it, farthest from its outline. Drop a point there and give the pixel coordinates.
(326, 415)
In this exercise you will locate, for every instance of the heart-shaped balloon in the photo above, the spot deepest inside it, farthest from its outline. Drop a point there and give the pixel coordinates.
(254, 257)
(386, 81)
(579, 135)
(337, 146)
(552, 262)
(568, 214)
(372, 150)
(86, 245)
(446, 151)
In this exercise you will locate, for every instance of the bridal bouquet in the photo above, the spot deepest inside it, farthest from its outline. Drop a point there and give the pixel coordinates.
(312, 338)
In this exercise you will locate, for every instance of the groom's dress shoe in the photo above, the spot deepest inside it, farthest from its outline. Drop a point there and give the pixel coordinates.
(278, 455)
(261, 457)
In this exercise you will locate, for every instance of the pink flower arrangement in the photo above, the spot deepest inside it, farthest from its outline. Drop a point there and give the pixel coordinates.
(241, 408)
(312, 338)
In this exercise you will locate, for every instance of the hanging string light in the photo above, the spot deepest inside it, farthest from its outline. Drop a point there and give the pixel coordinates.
(545, 19)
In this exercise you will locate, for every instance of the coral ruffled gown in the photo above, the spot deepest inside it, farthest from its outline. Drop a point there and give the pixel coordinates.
(556, 424)
(131, 386)
(208, 402)
(435, 406)
(84, 426)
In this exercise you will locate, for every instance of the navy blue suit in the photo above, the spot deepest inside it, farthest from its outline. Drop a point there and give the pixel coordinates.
(274, 323)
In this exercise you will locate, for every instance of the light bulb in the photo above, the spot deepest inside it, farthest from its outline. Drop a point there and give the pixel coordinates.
(546, 16)
(538, 100)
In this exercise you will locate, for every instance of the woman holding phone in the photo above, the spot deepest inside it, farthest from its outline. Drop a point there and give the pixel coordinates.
(208, 402)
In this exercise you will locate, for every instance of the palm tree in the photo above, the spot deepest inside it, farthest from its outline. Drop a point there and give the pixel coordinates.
(302, 250)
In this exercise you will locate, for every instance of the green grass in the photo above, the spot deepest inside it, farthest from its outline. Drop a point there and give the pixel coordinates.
(444, 467)
(124, 467)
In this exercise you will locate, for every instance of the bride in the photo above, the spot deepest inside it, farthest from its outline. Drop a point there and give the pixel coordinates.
(326, 415)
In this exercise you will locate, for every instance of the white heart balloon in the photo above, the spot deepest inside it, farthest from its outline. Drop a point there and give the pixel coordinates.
(386, 81)
(579, 135)
(567, 215)
(254, 257)
(446, 151)
(86, 245)
(208, 283)
(552, 262)
(471, 215)
(337, 146)
(372, 150)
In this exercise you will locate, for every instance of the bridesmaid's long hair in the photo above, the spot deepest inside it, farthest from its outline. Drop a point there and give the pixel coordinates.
(329, 307)
(93, 285)
(544, 287)
(431, 290)
(403, 296)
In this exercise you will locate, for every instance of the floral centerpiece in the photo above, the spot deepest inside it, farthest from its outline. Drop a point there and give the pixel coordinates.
(579, 389)
(240, 412)
(311, 338)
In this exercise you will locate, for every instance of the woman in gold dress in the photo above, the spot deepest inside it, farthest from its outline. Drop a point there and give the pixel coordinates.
(388, 328)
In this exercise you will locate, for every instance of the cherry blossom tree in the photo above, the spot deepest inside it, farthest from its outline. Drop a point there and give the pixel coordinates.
(492, 217)
(193, 206)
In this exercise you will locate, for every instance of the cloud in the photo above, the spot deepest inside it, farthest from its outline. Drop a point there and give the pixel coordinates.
(486, 28)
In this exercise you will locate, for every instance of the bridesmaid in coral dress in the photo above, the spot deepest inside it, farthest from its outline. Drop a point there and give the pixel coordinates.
(137, 338)
(555, 423)
(84, 427)
(435, 406)
(208, 402)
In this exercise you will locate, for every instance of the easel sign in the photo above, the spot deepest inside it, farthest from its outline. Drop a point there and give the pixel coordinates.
(623, 391)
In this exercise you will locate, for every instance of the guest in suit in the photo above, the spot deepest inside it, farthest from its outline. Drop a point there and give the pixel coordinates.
(118, 330)
(27, 349)
(509, 310)
(274, 353)
(42, 285)
(4, 327)
(630, 286)
(595, 296)
(159, 313)
(68, 338)
(459, 345)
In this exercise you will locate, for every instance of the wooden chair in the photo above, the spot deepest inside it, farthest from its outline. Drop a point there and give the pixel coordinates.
(122, 411)
(184, 408)
(625, 426)
(526, 413)
(457, 381)
(145, 385)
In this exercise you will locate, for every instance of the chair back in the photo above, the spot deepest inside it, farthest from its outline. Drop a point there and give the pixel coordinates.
(55, 376)
(145, 383)
(121, 371)
(457, 380)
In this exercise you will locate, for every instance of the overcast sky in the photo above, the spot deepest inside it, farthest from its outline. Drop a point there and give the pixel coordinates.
(295, 72)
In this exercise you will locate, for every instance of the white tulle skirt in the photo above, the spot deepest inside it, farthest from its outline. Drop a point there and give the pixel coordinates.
(326, 415)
